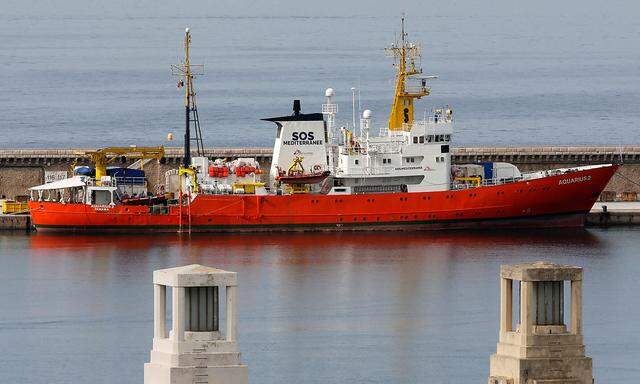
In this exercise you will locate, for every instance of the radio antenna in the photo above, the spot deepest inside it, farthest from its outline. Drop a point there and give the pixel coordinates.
(187, 72)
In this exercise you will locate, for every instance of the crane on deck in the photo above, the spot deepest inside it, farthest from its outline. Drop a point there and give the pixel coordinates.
(105, 156)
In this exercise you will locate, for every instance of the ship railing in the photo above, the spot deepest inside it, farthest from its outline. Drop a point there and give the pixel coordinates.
(486, 183)
(438, 119)
(329, 109)
(131, 186)
(386, 148)
(353, 150)
(430, 125)
(417, 89)
(130, 181)
(400, 132)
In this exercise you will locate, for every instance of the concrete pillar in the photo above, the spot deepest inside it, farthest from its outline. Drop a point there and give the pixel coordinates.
(231, 314)
(576, 307)
(506, 305)
(178, 315)
(526, 322)
(159, 311)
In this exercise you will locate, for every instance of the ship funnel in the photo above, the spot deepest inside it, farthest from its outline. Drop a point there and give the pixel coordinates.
(296, 107)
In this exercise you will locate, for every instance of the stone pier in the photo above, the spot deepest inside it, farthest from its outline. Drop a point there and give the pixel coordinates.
(24, 168)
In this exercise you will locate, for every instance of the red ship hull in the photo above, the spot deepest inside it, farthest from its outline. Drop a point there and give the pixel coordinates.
(555, 201)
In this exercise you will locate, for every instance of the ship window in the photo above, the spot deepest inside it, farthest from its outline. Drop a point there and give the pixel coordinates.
(430, 139)
(384, 161)
(415, 139)
(100, 197)
(444, 148)
(437, 159)
(356, 161)
(421, 139)
(447, 137)
(388, 161)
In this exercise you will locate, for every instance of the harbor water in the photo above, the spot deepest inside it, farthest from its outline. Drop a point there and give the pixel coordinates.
(93, 74)
(390, 307)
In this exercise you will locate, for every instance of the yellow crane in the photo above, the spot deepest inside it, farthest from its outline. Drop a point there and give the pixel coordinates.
(104, 156)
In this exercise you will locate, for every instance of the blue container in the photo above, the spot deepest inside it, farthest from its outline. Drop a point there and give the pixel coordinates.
(126, 175)
(488, 170)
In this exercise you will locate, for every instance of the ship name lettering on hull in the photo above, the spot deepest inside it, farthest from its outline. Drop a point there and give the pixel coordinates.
(581, 179)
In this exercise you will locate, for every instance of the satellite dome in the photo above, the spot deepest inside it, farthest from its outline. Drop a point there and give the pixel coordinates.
(328, 92)
(366, 114)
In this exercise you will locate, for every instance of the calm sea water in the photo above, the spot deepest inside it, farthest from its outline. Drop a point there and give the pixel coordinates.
(313, 308)
(92, 73)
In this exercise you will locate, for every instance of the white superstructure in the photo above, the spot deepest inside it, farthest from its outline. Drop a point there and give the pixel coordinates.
(415, 159)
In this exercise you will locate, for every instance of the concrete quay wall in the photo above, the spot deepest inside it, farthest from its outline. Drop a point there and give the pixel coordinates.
(23, 168)
(15, 222)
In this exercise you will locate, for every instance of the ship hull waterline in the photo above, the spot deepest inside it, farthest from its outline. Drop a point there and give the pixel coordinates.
(548, 202)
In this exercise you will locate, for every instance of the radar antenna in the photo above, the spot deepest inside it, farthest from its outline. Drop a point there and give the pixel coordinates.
(187, 72)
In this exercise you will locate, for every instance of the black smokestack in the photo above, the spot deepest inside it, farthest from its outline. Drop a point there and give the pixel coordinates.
(296, 107)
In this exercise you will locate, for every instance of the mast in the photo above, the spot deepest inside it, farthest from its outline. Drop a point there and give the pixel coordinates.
(405, 54)
(187, 72)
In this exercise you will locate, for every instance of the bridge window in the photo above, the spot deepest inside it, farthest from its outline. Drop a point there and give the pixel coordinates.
(421, 139)
(100, 197)
(415, 139)
(430, 139)
(447, 137)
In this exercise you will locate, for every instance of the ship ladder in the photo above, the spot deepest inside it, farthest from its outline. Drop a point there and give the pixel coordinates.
(189, 211)
(180, 212)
